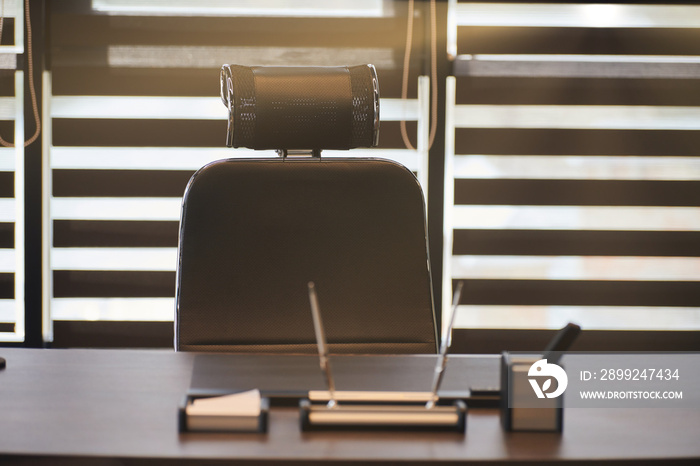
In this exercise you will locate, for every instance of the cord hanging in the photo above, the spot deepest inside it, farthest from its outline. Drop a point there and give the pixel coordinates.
(30, 70)
(433, 72)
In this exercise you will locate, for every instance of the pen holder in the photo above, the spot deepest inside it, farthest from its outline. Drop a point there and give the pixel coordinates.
(383, 416)
(527, 401)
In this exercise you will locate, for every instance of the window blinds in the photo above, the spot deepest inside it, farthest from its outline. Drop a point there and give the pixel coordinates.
(11, 178)
(572, 186)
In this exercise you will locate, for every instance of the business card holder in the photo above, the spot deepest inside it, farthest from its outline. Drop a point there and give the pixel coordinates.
(219, 415)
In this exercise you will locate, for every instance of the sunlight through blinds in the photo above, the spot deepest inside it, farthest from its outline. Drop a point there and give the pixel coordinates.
(573, 169)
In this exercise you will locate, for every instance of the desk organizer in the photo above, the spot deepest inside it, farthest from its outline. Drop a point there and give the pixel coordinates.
(221, 421)
(521, 409)
(383, 416)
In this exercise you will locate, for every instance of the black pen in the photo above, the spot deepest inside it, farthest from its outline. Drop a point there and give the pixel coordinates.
(561, 342)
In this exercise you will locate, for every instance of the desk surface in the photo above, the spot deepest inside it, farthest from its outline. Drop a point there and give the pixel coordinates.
(90, 406)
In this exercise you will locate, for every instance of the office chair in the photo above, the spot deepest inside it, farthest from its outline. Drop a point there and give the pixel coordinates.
(254, 232)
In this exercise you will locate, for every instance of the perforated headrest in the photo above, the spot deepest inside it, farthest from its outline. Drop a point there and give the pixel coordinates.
(284, 107)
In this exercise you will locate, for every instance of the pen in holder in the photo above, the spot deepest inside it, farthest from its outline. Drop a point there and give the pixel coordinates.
(383, 412)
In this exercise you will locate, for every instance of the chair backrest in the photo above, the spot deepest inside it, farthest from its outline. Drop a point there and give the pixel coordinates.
(254, 232)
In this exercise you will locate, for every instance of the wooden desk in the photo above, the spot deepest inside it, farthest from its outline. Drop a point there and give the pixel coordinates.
(119, 407)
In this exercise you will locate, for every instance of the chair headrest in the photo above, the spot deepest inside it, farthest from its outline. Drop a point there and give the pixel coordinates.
(309, 108)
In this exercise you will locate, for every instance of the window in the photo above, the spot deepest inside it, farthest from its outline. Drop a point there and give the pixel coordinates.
(134, 113)
(568, 135)
(11, 177)
(572, 165)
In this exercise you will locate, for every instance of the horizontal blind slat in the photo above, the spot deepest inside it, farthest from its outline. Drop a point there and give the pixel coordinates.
(167, 209)
(557, 268)
(7, 260)
(120, 183)
(566, 167)
(582, 293)
(580, 243)
(136, 259)
(113, 284)
(558, 141)
(638, 117)
(484, 40)
(182, 108)
(577, 192)
(585, 218)
(7, 285)
(591, 318)
(577, 15)
(586, 66)
(113, 309)
(103, 233)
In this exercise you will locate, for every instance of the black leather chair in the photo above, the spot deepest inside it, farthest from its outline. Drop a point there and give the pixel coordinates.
(254, 232)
